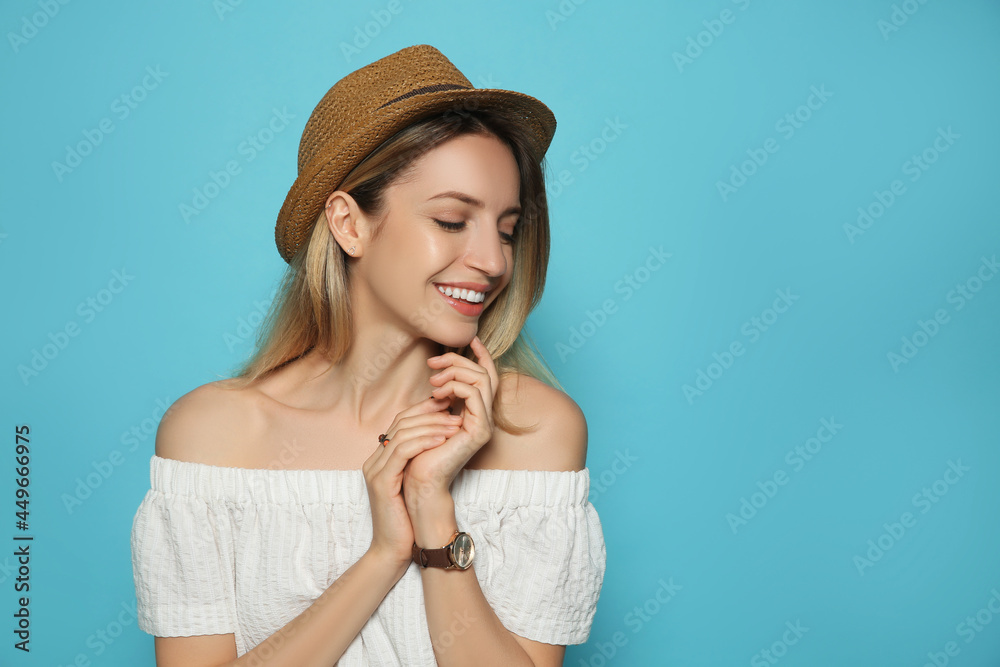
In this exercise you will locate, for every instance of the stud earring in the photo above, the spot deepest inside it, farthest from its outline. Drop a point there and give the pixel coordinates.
(351, 250)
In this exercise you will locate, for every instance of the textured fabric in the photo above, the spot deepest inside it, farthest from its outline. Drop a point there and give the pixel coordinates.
(219, 550)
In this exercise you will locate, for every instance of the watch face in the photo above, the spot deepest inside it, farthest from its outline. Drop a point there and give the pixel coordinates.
(463, 550)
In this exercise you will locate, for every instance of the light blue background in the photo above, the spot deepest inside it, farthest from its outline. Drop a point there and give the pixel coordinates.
(651, 183)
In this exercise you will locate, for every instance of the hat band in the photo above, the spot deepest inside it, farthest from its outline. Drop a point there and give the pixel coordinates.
(426, 89)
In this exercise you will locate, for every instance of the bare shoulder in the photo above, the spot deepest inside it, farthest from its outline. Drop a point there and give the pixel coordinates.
(210, 424)
(557, 439)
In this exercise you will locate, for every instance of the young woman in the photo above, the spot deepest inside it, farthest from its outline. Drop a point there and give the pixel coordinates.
(393, 478)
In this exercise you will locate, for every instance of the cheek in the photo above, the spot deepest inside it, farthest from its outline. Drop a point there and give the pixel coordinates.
(397, 268)
(434, 248)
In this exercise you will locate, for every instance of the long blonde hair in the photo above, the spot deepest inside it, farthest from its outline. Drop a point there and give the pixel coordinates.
(311, 308)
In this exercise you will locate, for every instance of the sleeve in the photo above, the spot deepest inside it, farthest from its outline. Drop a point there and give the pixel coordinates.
(183, 566)
(540, 554)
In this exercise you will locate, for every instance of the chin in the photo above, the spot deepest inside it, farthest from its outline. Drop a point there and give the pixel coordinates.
(457, 339)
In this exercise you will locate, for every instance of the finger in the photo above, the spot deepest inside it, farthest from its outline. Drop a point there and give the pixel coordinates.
(374, 462)
(472, 394)
(429, 406)
(405, 451)
(426, 406)
(413, 425)
(446, 429)
(485, 360)
(438, 428)
(436, 417)
(380, 454)
(451, 359)
(452, 363)
(371, 463)
(467, 375)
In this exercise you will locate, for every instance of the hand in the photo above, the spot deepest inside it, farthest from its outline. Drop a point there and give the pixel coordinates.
(430, 473)
(417, 429)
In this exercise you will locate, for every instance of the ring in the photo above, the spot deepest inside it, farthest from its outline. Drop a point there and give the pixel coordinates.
(382, 440)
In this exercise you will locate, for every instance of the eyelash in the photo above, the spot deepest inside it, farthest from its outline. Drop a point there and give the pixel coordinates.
(458, 226)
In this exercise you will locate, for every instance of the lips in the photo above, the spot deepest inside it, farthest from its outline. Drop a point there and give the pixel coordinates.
(464, 307)
(475, 287)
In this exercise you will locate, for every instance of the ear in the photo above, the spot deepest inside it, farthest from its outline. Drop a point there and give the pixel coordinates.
(349, 226)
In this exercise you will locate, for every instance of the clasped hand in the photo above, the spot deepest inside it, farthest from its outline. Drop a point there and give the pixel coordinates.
(409, 478)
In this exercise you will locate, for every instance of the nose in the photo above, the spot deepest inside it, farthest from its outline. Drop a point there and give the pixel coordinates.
(485, 252)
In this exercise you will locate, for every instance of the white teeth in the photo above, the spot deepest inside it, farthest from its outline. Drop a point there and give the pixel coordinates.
(463, 294)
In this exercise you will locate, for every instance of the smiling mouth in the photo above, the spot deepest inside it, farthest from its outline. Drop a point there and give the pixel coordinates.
(460, 294)
(464, 307)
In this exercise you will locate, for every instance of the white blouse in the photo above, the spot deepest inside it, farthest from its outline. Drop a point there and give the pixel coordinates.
(219, 550)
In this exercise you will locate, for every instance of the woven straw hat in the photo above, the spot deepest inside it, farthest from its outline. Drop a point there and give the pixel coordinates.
(370, 105)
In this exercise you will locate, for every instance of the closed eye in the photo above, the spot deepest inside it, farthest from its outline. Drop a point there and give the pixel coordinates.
(451, 226)
(459, 226)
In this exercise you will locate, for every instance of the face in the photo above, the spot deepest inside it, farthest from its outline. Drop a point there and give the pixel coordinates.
(448, 224)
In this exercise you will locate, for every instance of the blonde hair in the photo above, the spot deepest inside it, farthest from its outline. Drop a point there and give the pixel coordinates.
(312, 309)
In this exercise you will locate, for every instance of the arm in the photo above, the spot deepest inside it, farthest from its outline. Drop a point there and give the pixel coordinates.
(318, 636)
(464, 629)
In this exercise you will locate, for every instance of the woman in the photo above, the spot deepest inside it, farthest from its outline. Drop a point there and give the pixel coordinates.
(387, 481)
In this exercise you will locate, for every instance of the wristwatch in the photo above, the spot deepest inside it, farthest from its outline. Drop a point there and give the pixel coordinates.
(456, 555)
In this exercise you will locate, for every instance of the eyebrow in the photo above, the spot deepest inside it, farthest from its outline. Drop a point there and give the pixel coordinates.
(472, 201)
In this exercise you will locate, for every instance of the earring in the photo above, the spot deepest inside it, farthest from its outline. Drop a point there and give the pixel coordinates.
(351, 250)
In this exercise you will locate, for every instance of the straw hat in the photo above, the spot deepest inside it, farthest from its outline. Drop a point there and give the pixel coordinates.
(372, 104)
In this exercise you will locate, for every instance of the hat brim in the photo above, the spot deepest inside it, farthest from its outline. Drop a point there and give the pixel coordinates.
(327, 170)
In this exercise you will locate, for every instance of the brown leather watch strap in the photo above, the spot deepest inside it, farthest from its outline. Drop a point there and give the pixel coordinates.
(435, 557)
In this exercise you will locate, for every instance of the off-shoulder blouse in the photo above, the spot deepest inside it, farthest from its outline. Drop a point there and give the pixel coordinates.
(218, 550)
